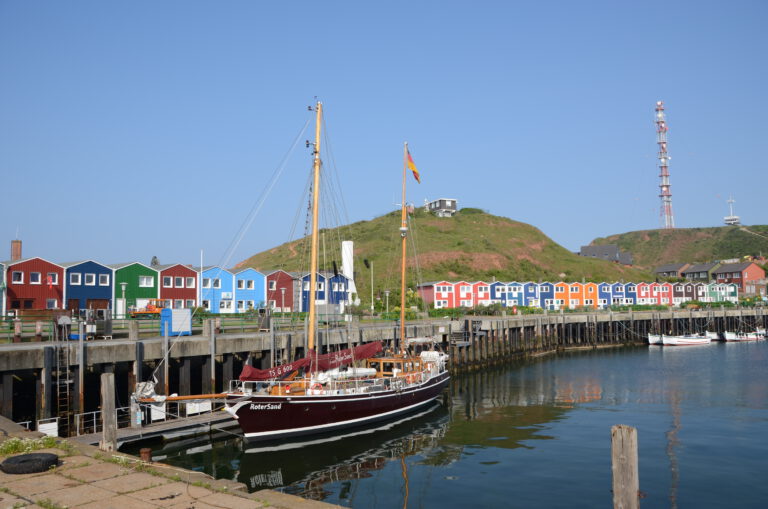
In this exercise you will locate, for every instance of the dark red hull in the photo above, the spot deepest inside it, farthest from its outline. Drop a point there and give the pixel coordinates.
(264, 417)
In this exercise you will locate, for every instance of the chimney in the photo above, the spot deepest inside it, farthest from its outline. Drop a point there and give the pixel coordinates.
(15, 250)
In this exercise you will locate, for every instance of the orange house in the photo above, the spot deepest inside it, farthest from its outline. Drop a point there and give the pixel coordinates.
(589, 291)
(561, 295)
(575, 295)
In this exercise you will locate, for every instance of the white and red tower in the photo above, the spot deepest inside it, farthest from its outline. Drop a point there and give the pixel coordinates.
(667, 218)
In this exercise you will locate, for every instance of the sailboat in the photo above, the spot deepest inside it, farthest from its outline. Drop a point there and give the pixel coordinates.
(325, 393)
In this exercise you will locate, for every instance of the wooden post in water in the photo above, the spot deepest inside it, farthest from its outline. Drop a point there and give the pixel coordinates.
(108, 416)
(626, 480)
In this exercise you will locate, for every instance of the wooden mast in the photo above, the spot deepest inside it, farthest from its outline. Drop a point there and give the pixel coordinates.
(403, 237)
(311, 326)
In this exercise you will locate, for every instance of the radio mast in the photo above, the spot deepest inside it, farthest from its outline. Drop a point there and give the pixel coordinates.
(667, 218)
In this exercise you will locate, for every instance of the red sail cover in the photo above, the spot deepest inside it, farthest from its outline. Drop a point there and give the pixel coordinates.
(323, 362)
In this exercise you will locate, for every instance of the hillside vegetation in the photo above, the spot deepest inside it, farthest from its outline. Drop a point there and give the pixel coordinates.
(651, 248)
(471, 246)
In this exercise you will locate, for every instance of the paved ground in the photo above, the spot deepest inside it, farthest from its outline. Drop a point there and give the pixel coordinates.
(87, 478)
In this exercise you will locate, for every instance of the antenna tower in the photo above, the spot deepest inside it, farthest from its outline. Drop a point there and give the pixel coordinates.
(668, 219)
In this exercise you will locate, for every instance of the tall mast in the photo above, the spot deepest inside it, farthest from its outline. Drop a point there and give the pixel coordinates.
(665, 193)
(311, 327)
(403, 237)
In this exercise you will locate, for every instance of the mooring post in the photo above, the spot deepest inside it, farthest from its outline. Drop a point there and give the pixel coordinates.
(626, 480)
(212, 358)
(108, 416)
(166, 384)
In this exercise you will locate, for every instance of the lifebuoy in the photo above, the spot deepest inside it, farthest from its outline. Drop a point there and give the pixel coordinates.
(316, 388)
(429, 368)
(287, 389)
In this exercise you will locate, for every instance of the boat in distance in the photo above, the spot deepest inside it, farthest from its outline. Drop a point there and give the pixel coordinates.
(685, 340)
(743, 336)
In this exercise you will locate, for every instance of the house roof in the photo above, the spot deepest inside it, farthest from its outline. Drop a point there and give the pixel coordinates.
(701, 267)
(670, 267)
(733, 267)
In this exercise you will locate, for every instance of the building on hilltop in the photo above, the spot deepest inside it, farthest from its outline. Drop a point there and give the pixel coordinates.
(700, 273)
(671, 270)
(748, 276)
(442, 207)
(610, 252)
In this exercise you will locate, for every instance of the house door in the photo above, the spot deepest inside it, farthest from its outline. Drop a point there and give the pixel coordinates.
(97, 304)
(73, 304)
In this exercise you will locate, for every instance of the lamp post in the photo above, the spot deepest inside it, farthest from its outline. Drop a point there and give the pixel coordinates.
(123, 285)
(282, 300)
(386, 294)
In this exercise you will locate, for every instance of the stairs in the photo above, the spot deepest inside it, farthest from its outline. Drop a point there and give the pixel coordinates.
(63, 383)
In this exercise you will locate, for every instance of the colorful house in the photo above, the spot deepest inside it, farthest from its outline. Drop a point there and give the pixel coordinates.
(617, 294)
(547, 296)
(604, 295)
(700, 273)
(250, 290)
(748, 276)
(283, 290)
(88, 285)
(218, 287)
(178, 285)
(561, 295)
(140, 286)
(463, 294)
(34, 283)
(532, 294)
(590, 295)
(630, 293)
(481, 293)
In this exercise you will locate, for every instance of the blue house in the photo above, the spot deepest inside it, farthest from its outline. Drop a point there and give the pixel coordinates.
(250, 290)
(218, 288)
(320, 288)
(547, 296)
(88, 285)
(338, 289)
(604, 295)
(498, 293)
(531, 294)
(515, 294)
(617, 294)
(630, 293)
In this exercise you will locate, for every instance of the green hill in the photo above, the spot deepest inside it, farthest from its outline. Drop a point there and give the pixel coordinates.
(471, 246)
(651, 248)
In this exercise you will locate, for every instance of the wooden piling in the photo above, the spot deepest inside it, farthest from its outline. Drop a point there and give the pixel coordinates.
(626, 480)
(108, 416)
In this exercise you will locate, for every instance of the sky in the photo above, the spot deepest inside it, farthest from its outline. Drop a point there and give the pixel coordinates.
(138, 129)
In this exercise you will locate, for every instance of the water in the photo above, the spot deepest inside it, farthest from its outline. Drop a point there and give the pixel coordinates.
(538, 435)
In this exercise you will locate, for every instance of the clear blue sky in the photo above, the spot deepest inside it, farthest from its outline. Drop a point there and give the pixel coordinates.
(133, 129)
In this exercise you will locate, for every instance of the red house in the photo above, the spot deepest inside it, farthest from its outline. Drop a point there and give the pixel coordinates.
(178, 285)
(281, 288)
(481, 293)
(34, 283)
(748, 275)
(439, 294)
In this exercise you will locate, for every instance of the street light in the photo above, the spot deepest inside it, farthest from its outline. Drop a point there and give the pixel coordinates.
(122, 286)
(386, 294)
(282, 300)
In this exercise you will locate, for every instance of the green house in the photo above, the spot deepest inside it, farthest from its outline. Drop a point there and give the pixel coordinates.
(138, 281)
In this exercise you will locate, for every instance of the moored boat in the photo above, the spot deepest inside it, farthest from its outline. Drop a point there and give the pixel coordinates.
(324, 393)
(685, 340)
(654, 339)
(743, 336)
(713, 336)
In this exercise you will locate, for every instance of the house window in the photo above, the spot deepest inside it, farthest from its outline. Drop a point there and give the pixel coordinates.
(74, 278)
(50, 304)
(589, 302)
(335, 287)
(90, 279)
(249, 284)
(167, 282)
(34, 278)
(178, 304)
(53, 278)
(178, 282)
(320, 286)
(306, 285)
(190, 303)
(341, 287)
(103, 279)
(250, 304)
(17, 277)
(207, 304)
(146, 281)
(240, 304)
(273, 285)
(217, 283)
(272, 304)
(240, 284)
(206, 282)
(190, 282)
(574, 289)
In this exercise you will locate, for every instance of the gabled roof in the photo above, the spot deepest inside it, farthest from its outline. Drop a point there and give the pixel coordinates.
(118, 266)
(733, 267)
(9, 263)
(246, 269)
(670, 267)
(701, 267)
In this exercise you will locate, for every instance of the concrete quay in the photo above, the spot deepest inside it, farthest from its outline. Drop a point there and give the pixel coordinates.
(87, 478)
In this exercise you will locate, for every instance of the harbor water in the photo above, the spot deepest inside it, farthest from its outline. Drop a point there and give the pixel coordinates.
(537, 434)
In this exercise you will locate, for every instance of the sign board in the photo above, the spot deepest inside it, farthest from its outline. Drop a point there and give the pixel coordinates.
(200, 407)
